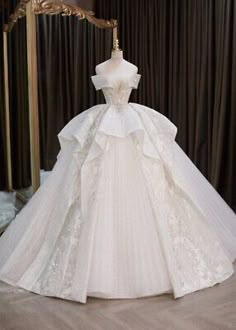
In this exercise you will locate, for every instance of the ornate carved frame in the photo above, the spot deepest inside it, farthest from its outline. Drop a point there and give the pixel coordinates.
(30, 8)
(55, 7)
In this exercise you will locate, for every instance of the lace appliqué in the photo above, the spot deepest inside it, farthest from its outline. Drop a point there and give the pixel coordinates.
(194, 261)
(56, 278)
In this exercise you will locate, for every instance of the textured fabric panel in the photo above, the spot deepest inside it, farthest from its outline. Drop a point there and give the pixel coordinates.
(120, 216)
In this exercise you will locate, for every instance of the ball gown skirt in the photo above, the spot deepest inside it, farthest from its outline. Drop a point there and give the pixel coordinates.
(123, 214)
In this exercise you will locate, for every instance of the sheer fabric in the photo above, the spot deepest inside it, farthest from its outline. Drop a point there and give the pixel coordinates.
(123, 214)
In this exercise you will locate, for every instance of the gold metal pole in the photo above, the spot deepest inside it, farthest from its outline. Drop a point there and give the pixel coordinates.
(33, 96)
(115, 37)
(7, 113)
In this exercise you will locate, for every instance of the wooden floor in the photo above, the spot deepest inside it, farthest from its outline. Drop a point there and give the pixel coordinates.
(209, 309)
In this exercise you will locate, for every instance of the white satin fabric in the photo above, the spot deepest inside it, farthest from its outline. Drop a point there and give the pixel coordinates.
(124, 213)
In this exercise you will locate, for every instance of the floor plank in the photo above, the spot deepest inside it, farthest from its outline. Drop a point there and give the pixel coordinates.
(209, 309)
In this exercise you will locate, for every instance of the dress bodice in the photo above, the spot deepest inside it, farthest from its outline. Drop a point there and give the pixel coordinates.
(116, 90)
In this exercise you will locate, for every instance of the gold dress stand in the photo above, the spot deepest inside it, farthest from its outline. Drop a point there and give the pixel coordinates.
(30, 8)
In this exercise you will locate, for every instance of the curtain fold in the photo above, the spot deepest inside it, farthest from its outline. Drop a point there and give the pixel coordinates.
(2, 117)
(68, 51)
(19, 106)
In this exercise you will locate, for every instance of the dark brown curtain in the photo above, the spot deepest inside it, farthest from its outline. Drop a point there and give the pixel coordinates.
(68, 51)
(186, 53)
(19, 110)
(18, 93)
(2, 117)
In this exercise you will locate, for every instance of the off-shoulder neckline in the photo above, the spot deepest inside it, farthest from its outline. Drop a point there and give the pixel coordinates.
(107, 75)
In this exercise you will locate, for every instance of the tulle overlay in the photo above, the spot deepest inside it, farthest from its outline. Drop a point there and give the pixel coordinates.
(123, 214)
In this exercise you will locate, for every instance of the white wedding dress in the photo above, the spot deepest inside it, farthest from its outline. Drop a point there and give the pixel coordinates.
(123, 214)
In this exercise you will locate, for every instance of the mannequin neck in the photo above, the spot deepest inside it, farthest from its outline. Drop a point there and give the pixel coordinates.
(117, 54)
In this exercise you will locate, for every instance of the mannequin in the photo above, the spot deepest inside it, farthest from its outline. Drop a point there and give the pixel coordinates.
(116, 64)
